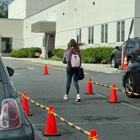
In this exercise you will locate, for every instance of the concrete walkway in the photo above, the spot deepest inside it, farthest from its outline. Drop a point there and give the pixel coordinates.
(103, 68)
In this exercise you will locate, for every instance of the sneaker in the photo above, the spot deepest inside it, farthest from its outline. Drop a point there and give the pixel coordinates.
(78, 98)
(65, 97)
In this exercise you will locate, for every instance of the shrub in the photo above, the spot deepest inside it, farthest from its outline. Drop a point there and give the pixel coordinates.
(25, 52)
(89, 55)
(7, 51)
(58, 52)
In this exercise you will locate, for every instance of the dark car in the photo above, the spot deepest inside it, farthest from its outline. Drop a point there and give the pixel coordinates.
(131, 50)
(14, 123)
(131, 78)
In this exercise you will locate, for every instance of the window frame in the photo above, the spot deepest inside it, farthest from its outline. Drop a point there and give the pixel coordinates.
(78, 33)
(120, 37)
(91, 35)
(104, 33)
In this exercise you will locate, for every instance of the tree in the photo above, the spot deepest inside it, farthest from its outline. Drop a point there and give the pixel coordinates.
(4, 9)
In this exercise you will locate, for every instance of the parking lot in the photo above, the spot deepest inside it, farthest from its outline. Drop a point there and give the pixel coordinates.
(112, 121)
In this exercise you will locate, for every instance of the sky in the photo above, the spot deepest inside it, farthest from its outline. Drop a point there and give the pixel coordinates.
(8, 0)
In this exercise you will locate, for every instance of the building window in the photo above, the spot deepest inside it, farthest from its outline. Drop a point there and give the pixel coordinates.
(78, 35)
(123, 31)
(120, 31)
(90, 35)
(104, 33)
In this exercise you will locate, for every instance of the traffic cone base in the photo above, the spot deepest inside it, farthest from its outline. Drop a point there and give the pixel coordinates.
(51, 134)
(45, 70)
(89, 93)
(113, 95)
(51, 128)
(89, 89)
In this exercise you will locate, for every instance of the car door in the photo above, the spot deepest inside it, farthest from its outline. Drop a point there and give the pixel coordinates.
(136, 76)
(129, 47)
(136, 51)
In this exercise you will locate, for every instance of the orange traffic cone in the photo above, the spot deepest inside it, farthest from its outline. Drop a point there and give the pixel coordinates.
(51, 129)
(25, 104)
(89, 89)
(113, 95)
(93, 135)
(125, 64)
(45, 70)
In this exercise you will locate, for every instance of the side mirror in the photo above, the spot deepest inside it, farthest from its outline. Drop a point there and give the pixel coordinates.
(138, 59)
(117, 47)
(10, 71)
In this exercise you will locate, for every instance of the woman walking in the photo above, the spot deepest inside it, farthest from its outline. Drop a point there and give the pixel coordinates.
(72, 72)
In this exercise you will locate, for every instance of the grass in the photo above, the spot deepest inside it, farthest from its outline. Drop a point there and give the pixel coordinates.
(54, 59)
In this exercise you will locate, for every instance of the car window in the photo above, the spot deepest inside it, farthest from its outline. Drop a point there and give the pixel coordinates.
(137, 45)
(129, 44)
(133, 44)
(123, 45)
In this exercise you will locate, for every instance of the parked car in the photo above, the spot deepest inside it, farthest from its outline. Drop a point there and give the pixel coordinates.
(14, 123)
(131, 50)
(131, 78)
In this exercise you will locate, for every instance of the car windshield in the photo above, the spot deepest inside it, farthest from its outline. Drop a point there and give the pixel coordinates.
(137, 45)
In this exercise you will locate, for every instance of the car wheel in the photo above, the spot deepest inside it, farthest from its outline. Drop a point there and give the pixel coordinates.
(113, 63)
(129, 86)
(129, 61)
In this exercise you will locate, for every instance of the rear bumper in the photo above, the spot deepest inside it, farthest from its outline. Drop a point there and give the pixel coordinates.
(22, 133)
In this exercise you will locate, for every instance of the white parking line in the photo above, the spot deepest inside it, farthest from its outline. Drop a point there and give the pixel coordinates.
(30, 68)
(131, 106)
(121, 102)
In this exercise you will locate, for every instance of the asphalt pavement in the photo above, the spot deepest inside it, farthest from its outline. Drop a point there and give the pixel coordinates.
(103, 68)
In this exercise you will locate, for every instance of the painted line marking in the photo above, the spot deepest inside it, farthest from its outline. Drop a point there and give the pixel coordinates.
(30, 68)
(32, 63)
(121, 102)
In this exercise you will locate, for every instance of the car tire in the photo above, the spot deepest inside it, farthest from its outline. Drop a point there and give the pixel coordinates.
(113, 63)
(129, 86)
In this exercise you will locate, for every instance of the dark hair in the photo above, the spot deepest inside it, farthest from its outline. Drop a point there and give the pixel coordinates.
(74, 45)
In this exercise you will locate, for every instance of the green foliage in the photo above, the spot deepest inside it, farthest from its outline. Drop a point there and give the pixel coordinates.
(89, 55)
(54, 59)
(7, 51)
(4, 9)
(58, 52)
(97, 55)
(25, 52)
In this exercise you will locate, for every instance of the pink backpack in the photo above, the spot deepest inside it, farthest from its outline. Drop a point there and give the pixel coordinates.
(74, 60)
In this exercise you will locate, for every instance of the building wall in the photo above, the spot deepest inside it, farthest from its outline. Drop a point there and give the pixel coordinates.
(17, 9)
(12, 29)
(82, 14)
(21, 9)
(36, 39)
(137, 20)
(71, 15)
